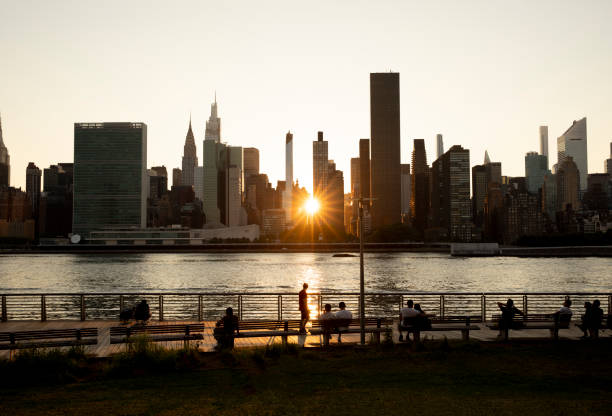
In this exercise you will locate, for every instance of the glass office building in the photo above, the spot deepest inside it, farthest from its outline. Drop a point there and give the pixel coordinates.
(109, 174)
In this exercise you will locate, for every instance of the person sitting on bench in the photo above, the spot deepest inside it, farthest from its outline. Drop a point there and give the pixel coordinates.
(224, 330)
(344, 315)
(507, 317)
(142, 312)
(126, 314)
(422, 321)
(408, 317)
(564, 311)
(328, 315)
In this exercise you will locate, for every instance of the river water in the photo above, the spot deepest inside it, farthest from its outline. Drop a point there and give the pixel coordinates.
(285, 272)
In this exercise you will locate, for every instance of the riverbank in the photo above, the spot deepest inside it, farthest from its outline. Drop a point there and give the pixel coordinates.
(507, 251)
(440, 378)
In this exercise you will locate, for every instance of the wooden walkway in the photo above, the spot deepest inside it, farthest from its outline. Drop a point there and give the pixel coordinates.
(104, 348)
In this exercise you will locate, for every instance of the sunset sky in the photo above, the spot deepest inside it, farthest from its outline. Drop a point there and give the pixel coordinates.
(485, 74)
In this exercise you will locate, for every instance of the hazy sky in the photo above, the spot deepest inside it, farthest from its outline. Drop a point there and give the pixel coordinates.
(485, 74)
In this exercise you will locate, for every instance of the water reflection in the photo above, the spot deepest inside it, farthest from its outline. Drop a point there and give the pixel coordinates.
(285, 272)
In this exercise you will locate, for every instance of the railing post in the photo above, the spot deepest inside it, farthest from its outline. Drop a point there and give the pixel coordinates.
(161, 307)
(483, 307)
(4, 314)
(525, 305)
(609, 304)
(240, 307)
(442, 306)
(121, 303)
(82, 307)
(401, 304)
(320, 305)
(43, 308)
(200, 317)
(280, 307)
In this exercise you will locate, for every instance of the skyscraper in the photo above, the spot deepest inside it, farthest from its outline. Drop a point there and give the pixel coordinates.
(419, 199)
(439, 146)
(568, 185)
(535, 169)
(5, 162)
(385, 149)
(287, 195)
(33, 175)
(574, 143)
(223, 177)
(251, 161)
(544, 142)
(333, 215)
(364, 170)
(212, 152)
(479, 193)
(198, 182)
(190, 158)
(177, 177)
(450, 197)
(608, 162)
(320, 168)
(109, 176)
(355, 193)
(406, 189)
(56, 201)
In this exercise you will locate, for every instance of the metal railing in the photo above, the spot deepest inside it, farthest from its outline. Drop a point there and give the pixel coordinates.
(211, 306)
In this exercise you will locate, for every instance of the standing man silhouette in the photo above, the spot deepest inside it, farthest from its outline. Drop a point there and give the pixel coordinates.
(304, 311)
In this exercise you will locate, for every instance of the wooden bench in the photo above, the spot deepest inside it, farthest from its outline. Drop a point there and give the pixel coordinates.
(327, 327)
(464, 324)
(287, 328)
(48, 338)
(553, 322)
(157, 333)
(267, 328)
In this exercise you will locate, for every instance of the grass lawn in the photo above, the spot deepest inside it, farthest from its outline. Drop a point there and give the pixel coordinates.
(528, 378)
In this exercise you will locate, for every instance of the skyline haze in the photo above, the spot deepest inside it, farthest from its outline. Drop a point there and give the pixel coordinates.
(468, 72)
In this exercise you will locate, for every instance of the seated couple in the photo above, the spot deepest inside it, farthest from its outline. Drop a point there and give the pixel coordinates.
(342, 316)
(412, 316)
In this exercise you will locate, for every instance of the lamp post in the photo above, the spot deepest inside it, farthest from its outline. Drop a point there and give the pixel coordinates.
(361, 273)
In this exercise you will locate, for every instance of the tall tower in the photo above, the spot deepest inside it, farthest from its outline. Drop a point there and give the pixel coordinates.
(288, 194)
(33, 175)
(385, 148)
(251, 161)
(450, 198)
(110, 176)
(319, 167)
(574, 143)
(439, 146)
(212, 152)
(213, 124)
(419, 198)
(544, 142)
(5, 161)
(535, 170)
(190, 158)
(608, 163)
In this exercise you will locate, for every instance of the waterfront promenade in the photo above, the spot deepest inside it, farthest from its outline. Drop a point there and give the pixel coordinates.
(105, 349)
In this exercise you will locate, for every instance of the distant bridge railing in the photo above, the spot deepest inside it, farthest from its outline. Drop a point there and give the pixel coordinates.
(211, 306)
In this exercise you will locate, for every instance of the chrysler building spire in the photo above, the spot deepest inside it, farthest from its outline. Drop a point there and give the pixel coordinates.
(190, 158)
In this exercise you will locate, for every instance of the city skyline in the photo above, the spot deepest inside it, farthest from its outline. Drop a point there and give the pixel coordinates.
(499, 91)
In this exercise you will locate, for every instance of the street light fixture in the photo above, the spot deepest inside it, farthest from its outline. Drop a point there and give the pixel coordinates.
(360, 200)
